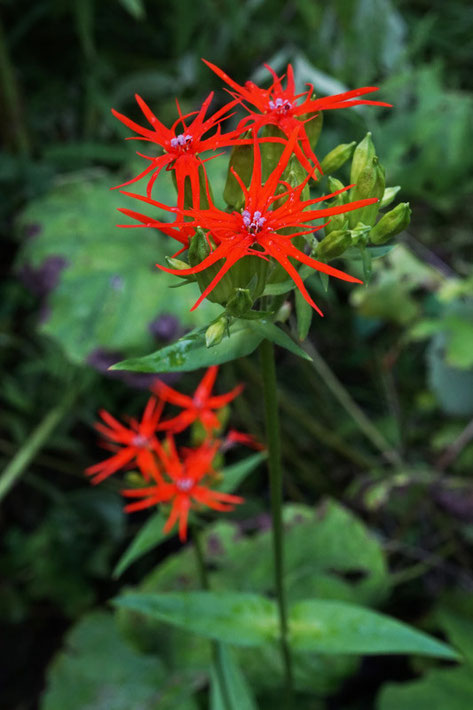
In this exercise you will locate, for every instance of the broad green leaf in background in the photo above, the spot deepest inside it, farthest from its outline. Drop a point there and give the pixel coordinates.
(110, 289)
(98, 670)
(240, 619)
(439, 690)
(236, 693)
(135, 8)
(338, 627)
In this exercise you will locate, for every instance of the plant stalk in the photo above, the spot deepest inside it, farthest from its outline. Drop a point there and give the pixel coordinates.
(273, 438)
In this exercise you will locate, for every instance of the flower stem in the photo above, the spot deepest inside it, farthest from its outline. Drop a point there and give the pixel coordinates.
(216, 646)
(273, 437)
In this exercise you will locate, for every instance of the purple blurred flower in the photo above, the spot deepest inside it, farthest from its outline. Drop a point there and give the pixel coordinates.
(165, 327)
(43, 279)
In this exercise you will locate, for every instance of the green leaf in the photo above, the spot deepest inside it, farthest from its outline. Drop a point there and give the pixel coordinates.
(338, 627)
(150, 535)
(236, 693)
(134, 7)
(98, 670)
(272, 332)
(240, 619)
(191, 353)
(234, 475)
(110, 290)
(439, 690)
(304, 314)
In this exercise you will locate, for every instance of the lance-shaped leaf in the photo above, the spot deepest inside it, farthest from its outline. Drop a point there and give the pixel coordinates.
(240, 619)
(338, 627)
(228, 687)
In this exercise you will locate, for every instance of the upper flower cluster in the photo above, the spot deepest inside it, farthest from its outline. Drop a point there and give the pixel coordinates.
(274, 211)
(181, 477)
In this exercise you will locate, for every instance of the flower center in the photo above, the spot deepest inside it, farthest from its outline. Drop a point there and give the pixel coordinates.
(253, 222)
(140, 441)
(281, 106)
(183, 141)
(184, 484)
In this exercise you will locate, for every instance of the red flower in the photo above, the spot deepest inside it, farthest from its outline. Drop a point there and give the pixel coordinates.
(284, 108)
(199, 407)
(134, 445)
(255, 230)
(185, 490)
(181, 149)
(239, 437)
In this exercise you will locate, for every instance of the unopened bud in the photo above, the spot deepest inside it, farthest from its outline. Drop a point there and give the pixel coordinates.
(371, 183)
(199, 249)
(364, 153)
(359, 235)
(284, 312)
(215, 332)
(313, 127)
(334, 244)
(337, 157)
(388, 197)
(241, 160)
(240, 303)
(338, 221)
(390, 224)
(176, 263)
(271, 152)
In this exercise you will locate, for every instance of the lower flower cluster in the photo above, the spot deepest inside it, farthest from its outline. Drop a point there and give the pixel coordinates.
(180, 477)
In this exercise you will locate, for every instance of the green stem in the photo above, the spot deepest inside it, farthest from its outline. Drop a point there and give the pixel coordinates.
(273, 436)
(33, 444)
(216, 646)
(349, 404)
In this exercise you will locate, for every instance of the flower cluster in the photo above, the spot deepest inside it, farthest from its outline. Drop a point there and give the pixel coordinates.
(270, 143)
(181, 477)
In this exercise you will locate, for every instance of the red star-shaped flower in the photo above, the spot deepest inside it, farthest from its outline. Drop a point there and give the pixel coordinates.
(133, 445)
(200, 407)
(257, 229)
(283, 108)
(185, 489)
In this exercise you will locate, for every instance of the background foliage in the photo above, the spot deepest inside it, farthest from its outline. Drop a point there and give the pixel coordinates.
(379, 467)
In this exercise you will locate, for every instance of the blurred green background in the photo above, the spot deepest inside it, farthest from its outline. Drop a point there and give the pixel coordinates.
(391, 447)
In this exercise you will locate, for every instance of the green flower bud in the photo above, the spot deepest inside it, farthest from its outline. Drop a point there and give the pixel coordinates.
(390, 224)
(388, 197)
(199, 249)
(359, 235)
(240, 303)
(179, 264)
(364, 153)
(337, 157)
(338, 221)
(271, 152)
(241, 160)
(313, 127)
(371, 183)
(294, 174)
(334, 244)
(216, 332)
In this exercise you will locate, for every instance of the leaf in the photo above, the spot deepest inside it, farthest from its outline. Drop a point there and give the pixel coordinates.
(98, 670)
(240, 619)
(134, 7)
(338, 627)
(439, 690)
(109, 290)
(235, 474)
(236, 694)
(272, 332)
(150, 535)
(304, 314)
(191, 353)
(452, 387)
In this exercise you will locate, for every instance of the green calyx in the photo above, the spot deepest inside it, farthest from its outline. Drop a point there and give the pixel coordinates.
(337, 157)
(392, 223)
(334, 244)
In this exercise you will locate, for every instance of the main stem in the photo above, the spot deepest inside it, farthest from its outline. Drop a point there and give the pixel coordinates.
(273, 438)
